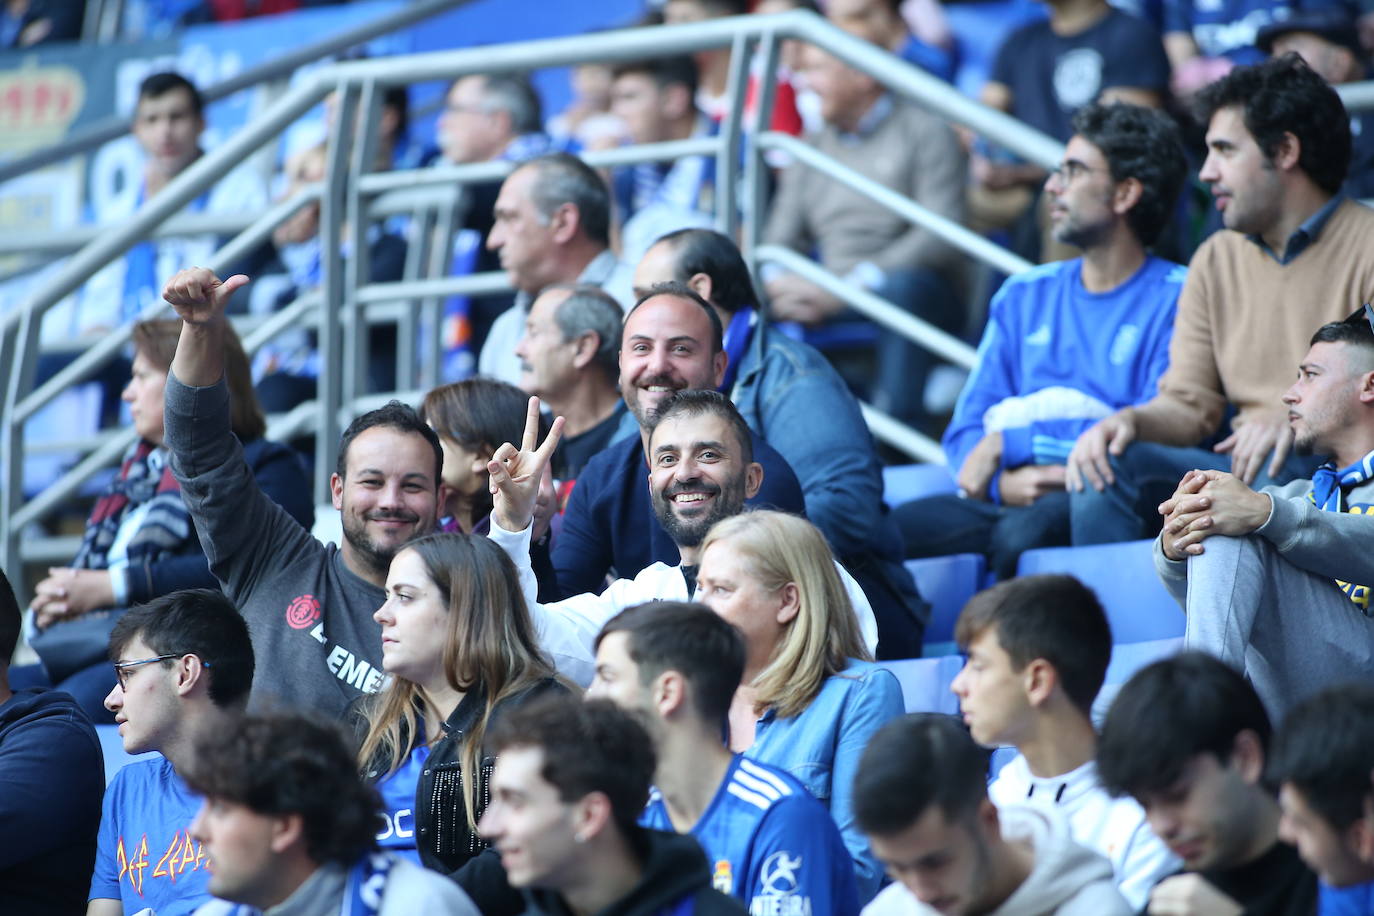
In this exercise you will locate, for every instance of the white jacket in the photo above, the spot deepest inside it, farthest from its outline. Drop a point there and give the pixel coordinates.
(567, 629)
(1115, 827)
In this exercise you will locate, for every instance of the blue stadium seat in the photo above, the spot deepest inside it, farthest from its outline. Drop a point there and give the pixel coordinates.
(925, 682)
(1127, 659)
(904, 482)
(947, 583)
(1123, 576)
(113, 749)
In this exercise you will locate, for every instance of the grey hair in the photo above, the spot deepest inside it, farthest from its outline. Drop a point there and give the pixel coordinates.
(514, 94)
(562, 178)
(590, 308)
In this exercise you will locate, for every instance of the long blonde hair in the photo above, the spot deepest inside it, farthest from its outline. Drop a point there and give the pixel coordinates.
(819, 642)
(489, 643)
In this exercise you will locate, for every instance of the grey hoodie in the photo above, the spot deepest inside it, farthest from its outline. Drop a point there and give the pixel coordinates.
(1066, 880)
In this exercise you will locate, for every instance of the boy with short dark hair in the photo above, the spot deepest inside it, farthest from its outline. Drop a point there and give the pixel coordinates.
(1038, 649)
(1188, 737)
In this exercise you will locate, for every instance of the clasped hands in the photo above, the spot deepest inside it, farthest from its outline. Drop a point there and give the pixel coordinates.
(1207, 503)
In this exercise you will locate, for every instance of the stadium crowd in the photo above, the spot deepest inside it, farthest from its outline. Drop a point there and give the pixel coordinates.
(517, 680)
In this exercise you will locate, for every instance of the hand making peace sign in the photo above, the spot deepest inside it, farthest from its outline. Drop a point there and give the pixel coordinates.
(515, 474)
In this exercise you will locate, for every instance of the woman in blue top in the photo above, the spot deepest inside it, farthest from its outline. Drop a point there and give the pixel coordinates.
(811, 696)
(461, 650)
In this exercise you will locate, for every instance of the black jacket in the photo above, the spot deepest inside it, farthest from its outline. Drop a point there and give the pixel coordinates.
(442, 836)
(676, 882)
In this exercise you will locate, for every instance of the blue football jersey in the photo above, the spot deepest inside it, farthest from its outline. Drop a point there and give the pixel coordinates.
(770, 844)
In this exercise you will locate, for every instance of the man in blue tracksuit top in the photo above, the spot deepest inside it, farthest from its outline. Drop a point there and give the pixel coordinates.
(769, 843)
(1066, 344)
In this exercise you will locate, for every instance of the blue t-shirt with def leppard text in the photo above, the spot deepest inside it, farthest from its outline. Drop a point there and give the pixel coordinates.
(145, 856)
(398, 804)
(770, 844)
(1056, 358)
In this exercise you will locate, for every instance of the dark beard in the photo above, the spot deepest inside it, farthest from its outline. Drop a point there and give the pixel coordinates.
(691, 531)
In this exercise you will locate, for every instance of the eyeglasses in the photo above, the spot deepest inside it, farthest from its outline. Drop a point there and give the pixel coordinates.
(1068, 171)
(122, 668)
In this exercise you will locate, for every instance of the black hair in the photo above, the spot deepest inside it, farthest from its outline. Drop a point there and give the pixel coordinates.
(589, 308)
(690, 639)
(915, 762)
(397, 98)
(11, 621)
(700, 402)
(683, 291)
(159, 84)
(1325, 749)
(591, 746)
(705, 251)
(391, 415)
(1053, 617)
(1284, 95)
(194, 621)
(1144, 144)
(288, 763)
(562, 178)
(672, 70)
(1170, 712)
(1353, 330)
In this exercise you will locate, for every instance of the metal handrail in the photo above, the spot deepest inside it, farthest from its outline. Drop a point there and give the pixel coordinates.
(85, 139)
(351, 195)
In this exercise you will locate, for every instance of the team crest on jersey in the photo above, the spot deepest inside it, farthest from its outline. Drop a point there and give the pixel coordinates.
(303, 612)
(722, 878)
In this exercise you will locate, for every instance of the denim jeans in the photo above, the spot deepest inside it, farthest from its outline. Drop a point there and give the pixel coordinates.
(1147, 473)
(938, 526)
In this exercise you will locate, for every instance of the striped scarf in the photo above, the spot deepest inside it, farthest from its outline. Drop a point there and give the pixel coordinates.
(144, 479)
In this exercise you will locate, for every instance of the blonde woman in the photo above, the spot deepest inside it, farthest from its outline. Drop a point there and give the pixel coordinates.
(810, 697)
(460, 649)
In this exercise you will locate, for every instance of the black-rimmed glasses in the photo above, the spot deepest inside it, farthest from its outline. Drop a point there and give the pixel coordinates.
(122, 668)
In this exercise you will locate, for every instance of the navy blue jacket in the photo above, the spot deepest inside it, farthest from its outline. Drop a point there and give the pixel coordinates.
(610, 526)
(52, 776)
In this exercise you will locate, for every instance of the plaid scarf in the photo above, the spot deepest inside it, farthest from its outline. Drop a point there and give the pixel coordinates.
(144, 479)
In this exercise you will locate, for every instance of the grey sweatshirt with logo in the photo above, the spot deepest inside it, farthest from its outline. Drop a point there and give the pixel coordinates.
(315, 643)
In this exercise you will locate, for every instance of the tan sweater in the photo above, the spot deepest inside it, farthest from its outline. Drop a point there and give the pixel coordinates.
(912, 152)
(1244, 322)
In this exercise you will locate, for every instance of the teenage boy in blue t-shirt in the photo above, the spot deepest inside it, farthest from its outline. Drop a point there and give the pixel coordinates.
(1066, 344)
(185, 665)
(769, 843)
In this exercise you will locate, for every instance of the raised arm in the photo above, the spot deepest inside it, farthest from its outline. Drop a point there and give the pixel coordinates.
(199, 298)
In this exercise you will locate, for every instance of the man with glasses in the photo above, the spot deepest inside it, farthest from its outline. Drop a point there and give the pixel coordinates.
(184, 664)
(1066, 344)
(1295, 253)
(1283, 594)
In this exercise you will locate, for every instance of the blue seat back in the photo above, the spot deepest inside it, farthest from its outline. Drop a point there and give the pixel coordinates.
(947, 583)
(925, 682)
(1127, 659)
(1123, 576)
(904, 482)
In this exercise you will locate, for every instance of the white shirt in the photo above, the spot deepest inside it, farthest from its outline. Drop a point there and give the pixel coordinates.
(1115, 827)
(568, 628)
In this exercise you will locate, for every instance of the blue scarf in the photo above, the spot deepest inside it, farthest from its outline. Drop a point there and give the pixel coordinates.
(736, 340)
(1329, 484)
